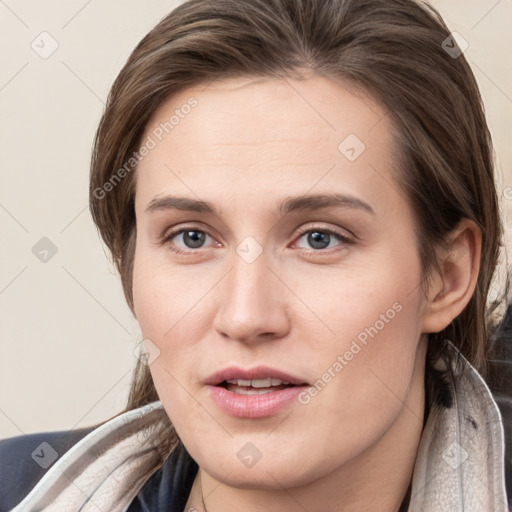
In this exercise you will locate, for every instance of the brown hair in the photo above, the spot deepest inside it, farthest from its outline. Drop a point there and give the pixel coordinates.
(394, 49)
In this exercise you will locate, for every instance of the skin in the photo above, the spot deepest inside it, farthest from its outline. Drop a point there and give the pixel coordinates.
(249, 145)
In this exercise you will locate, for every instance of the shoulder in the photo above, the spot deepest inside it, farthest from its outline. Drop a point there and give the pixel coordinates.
(25, 459)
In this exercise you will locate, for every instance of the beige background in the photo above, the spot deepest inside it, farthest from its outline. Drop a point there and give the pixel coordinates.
(66, 334)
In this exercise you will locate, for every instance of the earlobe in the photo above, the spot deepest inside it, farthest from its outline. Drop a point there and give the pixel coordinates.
(452, 287)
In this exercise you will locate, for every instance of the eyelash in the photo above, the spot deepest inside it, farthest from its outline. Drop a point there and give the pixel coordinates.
(169, 235)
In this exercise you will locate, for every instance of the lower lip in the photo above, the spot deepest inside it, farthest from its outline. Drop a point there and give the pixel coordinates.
(254, 406)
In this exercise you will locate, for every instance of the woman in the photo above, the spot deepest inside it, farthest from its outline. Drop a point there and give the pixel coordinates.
(299, 197)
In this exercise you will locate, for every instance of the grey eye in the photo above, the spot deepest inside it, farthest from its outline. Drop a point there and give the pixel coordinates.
(193, 239)
(318, 240)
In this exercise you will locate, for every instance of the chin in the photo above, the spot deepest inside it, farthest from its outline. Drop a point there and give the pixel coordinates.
(274, 473)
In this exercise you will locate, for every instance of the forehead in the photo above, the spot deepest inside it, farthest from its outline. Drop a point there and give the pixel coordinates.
(256, 132)
(276, 106)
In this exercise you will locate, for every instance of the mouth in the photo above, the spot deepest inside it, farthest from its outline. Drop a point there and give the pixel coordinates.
(258, 378)
(254, 393)
(255, 386)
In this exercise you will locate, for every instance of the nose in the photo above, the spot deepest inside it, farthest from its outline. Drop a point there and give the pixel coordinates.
(253, 303)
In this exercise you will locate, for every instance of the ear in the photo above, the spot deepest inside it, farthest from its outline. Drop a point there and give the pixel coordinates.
(452, 287)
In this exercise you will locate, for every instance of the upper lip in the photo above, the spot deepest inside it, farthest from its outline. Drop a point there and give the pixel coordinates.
(258, 372)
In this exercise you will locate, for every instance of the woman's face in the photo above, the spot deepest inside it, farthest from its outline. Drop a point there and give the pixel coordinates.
(273, 242)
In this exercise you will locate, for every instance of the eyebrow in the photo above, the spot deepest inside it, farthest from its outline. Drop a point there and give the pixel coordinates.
(299, 203)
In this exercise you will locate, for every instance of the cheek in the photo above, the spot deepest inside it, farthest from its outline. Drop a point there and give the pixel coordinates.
(168, 303)
(165, 296)
(167, 306)
(374, 297)
(369, 364)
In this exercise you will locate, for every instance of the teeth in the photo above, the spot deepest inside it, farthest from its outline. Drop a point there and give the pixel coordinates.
(251, 391)
(262, 383)
(258, 383)
(239, 382)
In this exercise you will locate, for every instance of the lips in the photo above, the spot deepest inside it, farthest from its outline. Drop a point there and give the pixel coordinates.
(253, 393)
